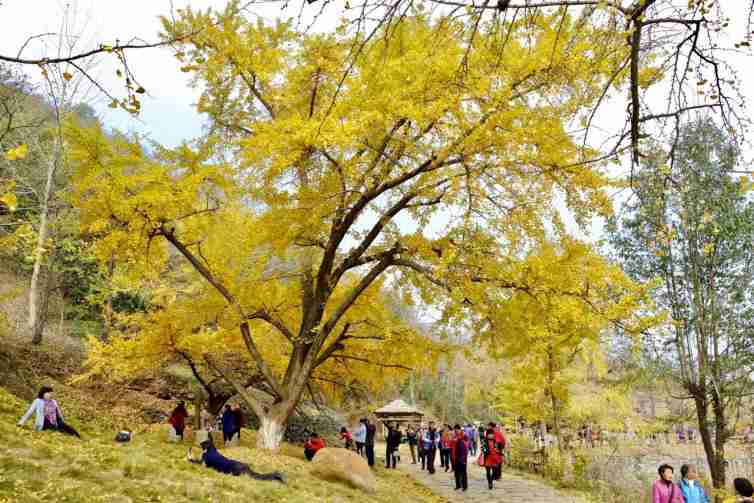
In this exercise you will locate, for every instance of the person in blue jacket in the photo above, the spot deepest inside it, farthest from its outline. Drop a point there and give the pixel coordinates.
(211, 458)
(229, 424)
(692, 491)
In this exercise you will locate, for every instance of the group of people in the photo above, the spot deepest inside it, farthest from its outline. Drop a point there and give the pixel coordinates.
(689, 490)
(454, 445)
(231, 423)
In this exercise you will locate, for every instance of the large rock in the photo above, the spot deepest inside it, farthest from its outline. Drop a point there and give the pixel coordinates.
(346, 466)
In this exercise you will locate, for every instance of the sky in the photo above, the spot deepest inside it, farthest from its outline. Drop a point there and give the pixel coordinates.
(168, 115)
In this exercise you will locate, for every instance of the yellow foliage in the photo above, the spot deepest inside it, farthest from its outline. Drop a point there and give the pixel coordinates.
(284, 217)
(17, 153)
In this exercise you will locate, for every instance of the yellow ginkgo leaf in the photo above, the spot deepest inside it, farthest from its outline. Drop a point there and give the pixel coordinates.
(17, 153)
(9, 200)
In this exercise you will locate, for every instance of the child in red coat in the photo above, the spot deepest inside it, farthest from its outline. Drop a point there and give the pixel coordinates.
(311, 447)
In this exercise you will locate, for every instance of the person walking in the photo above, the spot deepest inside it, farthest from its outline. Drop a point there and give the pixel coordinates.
(420, 446)
(500, 445)
(412, 442)
(48, 414)
(393, 443)
(490, 457)
(664, 489)
(369, 442)
(360, 437)
(692, 491)
(446, 440)
(471, 435)
(430, 440)
(459, 455)
(178, 419)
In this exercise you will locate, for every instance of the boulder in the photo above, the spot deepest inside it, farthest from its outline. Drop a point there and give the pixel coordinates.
(172, 435)
(342, 465)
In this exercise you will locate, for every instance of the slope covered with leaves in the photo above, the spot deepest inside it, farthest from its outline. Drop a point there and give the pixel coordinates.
(51, 467)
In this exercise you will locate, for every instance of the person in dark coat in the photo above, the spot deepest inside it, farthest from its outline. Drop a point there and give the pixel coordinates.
(239, 421)
(411, 436)
(393, 443)
(211, 458)
(420, 446)
(229, 424)
(369, 442)
(178, 418)
(459, 455)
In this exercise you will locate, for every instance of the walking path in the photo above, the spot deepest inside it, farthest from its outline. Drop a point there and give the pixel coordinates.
(512, 488)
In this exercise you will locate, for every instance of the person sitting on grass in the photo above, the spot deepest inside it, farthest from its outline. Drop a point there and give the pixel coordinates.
(48, 414)
(211, 458)
(312, 445)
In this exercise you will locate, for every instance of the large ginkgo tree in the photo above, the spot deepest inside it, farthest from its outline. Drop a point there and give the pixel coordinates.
(337, 169)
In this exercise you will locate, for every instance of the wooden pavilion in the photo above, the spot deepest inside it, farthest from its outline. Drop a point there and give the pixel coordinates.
(399, 412)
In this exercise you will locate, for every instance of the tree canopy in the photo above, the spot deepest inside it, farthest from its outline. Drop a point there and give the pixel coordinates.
(326, 180)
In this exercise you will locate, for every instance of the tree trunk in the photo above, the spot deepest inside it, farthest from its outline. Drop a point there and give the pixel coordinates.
(718, 474)
(36, 326)
(108, 308)
(553, 398)
(270, 434)
(198, 409)
(715, 453)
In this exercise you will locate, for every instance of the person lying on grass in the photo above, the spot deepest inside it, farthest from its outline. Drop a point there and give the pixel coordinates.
(211, 458)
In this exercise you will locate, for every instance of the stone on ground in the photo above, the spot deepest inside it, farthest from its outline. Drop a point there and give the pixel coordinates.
(345, 466)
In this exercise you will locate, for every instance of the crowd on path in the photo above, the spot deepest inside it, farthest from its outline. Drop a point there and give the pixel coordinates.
(486, 446)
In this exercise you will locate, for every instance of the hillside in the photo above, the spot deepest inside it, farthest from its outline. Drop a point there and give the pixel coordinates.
(47, 466)
(42, 467)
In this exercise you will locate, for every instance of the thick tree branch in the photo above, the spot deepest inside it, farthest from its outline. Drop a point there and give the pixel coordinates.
(262, 314)
(262, 366)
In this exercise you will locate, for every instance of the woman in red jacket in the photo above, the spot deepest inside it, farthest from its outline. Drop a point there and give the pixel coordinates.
(178, 419)
(311, 447)
(491, 457)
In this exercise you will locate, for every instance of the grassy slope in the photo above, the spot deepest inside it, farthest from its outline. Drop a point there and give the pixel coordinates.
(44, 466)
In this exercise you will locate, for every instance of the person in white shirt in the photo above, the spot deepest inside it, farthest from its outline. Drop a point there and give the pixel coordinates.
(360, 437)
(48, 414)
